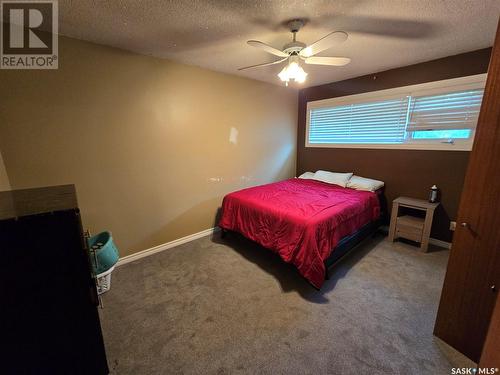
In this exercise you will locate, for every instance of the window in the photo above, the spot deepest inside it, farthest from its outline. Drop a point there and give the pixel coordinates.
(446, 117)
(373, 122)
(436, 115)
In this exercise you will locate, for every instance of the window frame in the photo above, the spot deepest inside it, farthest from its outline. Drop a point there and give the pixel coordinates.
(428, 88)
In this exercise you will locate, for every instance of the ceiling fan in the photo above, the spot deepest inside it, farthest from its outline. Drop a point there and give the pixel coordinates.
(296, 51)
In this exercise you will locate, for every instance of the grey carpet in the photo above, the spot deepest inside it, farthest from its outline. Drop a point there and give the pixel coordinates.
(228, 306)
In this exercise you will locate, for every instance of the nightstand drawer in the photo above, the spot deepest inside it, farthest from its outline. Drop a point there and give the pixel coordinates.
(409, 233)
(410, 227)
(410, 222)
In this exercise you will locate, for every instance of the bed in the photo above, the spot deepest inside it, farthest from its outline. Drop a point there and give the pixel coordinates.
(308, 223)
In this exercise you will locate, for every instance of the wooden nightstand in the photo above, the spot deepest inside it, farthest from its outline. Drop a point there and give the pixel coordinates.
(412, 227)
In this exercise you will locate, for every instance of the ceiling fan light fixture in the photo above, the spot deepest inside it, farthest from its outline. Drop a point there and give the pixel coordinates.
(301, 76)
(293, 71)
(283, 75)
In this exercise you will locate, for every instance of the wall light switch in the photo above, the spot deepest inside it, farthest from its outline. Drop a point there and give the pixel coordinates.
(453, 225)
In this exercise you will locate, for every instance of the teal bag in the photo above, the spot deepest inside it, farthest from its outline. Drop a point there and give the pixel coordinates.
(103, 252)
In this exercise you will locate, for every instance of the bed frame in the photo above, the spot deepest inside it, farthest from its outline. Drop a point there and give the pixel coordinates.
(347, 244)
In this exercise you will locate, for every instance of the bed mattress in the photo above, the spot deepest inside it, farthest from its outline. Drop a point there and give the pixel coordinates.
(302, 220)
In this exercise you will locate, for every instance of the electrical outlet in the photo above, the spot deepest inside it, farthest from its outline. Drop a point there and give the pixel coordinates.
(453, 225)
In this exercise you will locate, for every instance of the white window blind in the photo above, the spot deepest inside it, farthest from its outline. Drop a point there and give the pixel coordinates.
(455, 110)
(374, 122)
(439, 115)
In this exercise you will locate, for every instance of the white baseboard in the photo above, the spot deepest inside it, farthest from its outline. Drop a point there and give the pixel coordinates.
(207, 232)
(436, 242)
(432, 241)
(165, 246)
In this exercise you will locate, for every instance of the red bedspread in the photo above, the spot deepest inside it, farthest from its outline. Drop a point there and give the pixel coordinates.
(302, 220)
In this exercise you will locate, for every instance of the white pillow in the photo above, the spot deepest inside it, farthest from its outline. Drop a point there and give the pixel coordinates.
(332, 177)
(361, 183)
(307, 175)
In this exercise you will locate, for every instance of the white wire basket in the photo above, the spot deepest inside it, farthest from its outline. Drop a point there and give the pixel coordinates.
(103, 281)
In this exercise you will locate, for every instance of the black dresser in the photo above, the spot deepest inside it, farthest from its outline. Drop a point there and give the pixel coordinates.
(49, 322)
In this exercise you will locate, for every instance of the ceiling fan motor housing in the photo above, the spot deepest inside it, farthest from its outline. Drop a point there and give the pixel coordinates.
(293, 48)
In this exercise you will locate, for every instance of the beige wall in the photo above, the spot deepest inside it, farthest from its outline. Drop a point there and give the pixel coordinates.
(4, 179)
(146, 141)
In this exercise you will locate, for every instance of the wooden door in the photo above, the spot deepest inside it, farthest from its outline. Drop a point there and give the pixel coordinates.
(490, 358)
(473, 275)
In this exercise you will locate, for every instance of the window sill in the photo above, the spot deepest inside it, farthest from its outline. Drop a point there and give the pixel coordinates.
(463, 146)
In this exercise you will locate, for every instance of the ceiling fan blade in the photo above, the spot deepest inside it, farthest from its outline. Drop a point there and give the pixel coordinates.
(335, 61)
(264, 64)
(324, 43)
(267, 48)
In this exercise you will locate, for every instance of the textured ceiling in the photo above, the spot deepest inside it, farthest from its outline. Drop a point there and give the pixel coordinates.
(383, 34)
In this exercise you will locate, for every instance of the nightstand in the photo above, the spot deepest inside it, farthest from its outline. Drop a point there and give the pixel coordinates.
(411, 226)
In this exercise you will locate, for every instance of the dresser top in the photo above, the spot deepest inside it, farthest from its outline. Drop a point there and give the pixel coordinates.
(25, 202)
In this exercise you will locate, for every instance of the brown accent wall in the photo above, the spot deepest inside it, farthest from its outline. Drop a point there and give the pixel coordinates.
(151, 145)
(405, 172)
